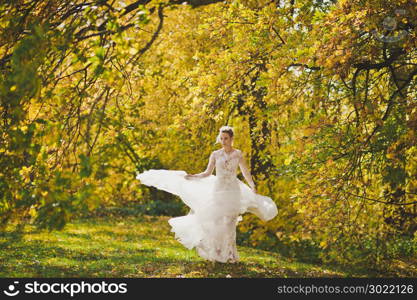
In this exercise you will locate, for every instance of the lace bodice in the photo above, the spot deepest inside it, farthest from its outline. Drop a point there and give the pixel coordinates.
(226, 165)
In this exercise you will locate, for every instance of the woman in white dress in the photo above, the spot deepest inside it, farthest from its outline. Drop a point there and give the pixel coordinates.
(216, 202)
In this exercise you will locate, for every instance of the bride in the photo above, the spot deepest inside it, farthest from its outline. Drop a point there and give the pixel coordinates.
(215, 202)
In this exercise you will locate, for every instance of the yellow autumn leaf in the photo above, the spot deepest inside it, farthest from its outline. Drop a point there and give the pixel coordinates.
(390, 155)
(288, 160)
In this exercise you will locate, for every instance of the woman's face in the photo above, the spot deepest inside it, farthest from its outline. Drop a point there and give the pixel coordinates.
(225, 139)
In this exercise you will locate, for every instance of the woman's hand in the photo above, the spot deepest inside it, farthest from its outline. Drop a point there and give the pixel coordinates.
(188, 176)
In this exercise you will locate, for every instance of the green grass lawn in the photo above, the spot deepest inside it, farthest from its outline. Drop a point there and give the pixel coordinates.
(143, 246)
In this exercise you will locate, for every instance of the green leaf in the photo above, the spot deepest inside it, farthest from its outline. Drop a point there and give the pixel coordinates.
(86, 168)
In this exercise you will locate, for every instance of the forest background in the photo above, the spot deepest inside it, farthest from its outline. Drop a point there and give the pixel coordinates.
(321, 94)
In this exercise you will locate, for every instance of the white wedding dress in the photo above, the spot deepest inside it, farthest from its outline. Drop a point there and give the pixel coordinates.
(216, 203)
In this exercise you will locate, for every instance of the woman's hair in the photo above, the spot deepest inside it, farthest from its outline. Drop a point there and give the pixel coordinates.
(226, 129)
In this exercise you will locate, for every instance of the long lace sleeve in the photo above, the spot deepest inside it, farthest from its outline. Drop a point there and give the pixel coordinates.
(245, 170)
(209, 169)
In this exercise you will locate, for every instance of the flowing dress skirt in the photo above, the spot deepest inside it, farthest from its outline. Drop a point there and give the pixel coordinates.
(216, 204)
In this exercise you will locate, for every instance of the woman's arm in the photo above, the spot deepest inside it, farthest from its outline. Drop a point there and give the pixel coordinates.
(207, 172)
(245, 171)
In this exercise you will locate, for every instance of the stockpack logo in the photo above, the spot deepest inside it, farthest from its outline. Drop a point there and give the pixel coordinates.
(12, 289)
(70, 289)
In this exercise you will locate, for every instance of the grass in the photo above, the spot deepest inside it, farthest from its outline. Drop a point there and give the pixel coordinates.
(143, 246)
